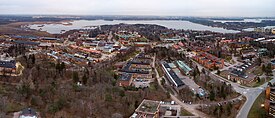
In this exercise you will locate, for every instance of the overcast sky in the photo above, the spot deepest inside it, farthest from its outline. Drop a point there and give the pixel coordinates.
(247, 8)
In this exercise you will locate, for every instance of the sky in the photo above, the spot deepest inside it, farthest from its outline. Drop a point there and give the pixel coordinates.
(204, 8)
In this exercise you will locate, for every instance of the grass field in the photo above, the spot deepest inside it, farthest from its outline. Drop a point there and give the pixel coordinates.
(256, 84)
(184, 112)
(258, 71)
(256, 110)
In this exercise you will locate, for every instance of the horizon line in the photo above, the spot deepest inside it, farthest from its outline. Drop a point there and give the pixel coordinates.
(136, 15)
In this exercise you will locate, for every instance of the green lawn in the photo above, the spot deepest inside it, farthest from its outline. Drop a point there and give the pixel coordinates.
(256, 110)
(159, 70)
(184, 112)
(256, 84)
(258, 71)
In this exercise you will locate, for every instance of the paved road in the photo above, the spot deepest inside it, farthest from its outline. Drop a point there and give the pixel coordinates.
(189, 108)
(251, 94)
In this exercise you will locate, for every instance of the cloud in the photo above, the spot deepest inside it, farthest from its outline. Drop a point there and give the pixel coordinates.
(141, 7)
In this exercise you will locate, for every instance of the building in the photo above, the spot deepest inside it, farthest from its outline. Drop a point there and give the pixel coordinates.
(125, 80)
(183, 67)
(273, 31)
(7, 64)
(137, 72)
(248, 53)
(273, 63)
(270, 100)
(171, 75)
(26, 113)
(158, 109)
(141, 44)
(262, 52)
(240, 76)
(147, 109)
(209, 61)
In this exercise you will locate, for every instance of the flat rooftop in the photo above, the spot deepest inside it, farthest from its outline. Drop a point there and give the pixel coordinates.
(125, 77)
(148, 107)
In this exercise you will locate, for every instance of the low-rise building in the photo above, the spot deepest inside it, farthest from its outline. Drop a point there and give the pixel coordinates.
(125, 80)
(270, 100)
(273, 31)
(183, 67)
(171, 75)
(26, 113)
(158, 109)
(147, 109)
(209, 61)
(140, 69)
(7, 64)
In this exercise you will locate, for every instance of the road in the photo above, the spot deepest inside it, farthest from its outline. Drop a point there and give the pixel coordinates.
(251, 94)
(190, 108)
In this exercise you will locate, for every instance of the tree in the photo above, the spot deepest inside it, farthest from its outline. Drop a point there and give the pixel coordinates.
(269, 84)
(122, 93)
(197, 69)
(269, 69)
(57, 67)
(212, 96)
(75, 77)
(162, 81)
(84, 79)
(62, 66)
(108, 97)
(168, 95)
(258, 79)
(259, 61)
(218, 72)
(203, 70)
(263, 68)
(228, 108)
(33, 59)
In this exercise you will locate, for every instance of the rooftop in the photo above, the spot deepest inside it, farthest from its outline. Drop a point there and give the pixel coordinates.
(125, 77)
(148, 107)
(183, 66)
(28, 113)
(175, 79)
(8, 64)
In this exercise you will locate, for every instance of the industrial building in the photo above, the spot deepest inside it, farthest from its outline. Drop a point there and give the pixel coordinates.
(171, 75)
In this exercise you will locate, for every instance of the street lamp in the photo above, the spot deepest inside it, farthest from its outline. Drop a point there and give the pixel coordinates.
(262, 105)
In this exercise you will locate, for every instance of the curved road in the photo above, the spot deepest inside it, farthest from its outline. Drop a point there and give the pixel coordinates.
(250, 93)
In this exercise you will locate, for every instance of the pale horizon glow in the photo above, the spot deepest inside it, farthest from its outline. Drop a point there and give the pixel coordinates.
(222, 8)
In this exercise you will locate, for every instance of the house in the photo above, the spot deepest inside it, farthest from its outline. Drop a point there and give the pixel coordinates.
(26, 113)
(209, 61)
(262, 52)
(141, 44)
(147, 109)
(248, 53)
(7, 64)
(273, 63)
(240, 76)
(183, 67)
(125, 80)
(273, 31)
